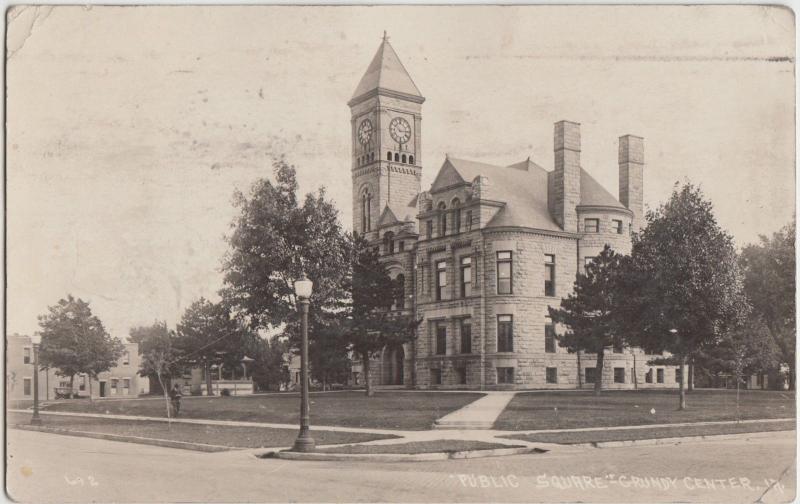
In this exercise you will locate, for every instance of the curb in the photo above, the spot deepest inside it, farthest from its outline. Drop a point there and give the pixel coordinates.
(166, 443)
(398, 457)
(679, 440)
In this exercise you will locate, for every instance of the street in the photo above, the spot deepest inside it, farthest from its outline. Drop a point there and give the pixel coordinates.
(47, 467)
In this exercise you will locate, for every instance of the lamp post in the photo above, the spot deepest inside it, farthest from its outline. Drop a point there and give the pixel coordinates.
(36, 339)
(304, 441)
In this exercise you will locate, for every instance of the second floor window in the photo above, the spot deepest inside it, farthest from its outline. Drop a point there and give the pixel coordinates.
(442, 219)
(466, 336)
(441, 279)
(126, 358)
(504, 272)
(441, 339)
(26, 355)
(549, 336)
(468, 223)
(400, 292)
(456, 216)
(616, 224)
(466, 276)
(591, 225)
(505, 333)
(429, 229)
(549, 275)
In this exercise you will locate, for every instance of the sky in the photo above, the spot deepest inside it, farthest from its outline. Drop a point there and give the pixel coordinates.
(130, 128)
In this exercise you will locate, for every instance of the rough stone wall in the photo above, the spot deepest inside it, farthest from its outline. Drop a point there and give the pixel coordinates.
(567, 174)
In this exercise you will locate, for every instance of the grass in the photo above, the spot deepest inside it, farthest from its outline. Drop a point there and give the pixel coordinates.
(237, 437)
(651, 433)
(566, 410)
(440, 445)
(385, 410)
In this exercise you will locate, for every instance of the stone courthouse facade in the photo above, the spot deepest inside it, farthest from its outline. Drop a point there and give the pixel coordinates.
(486, 249)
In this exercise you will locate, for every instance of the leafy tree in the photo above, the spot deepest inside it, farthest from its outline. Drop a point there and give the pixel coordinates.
(769, 282)
(160, 358)
(205, 333)
(74, 341)
(368, 324)
(684, 289)
(591, 311)
(274, 241)
(269, 370)
(329, 360)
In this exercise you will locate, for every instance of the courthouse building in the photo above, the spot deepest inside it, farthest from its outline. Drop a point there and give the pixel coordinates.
(486, 249)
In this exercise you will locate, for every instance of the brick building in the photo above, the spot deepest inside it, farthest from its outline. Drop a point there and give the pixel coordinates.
(121, 380)
(486, 249)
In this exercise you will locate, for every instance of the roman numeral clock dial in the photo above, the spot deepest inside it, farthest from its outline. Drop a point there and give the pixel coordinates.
(400, 130)
(365, 131)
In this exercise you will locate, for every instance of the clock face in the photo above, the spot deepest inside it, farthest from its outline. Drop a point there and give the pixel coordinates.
(400, 130)
(365, 131)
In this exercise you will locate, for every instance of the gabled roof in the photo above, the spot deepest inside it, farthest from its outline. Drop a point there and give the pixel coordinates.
(387, 217)
(523, 188)
(386, 72)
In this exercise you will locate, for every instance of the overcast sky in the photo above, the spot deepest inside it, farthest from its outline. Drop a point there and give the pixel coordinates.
(129, 128)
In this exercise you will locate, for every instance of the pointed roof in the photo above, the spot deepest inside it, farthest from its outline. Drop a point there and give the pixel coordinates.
(387, 217)
(386, 73)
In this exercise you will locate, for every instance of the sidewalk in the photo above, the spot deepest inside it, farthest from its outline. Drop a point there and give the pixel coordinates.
(480, 414)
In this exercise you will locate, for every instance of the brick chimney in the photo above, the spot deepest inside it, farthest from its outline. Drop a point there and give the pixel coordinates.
(566, 188)
(631, 177)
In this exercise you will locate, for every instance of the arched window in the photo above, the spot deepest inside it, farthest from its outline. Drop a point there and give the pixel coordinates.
(388, 155)
(410, 159)
(400, 292)
(396, 157)
(456, 204)
(372, 156)
(403, 159)
(366, 210)
(442, 219)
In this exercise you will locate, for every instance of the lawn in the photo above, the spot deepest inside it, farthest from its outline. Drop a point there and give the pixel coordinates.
(566, 410)
(573, 437)
(385, 410)
(237, 437)
(440, 445)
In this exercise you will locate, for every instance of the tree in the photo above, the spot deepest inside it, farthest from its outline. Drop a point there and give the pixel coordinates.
(269, 370)
(769, 282)
(368, 324)
(591, 311)
(329, 361)
(206, 331)
(684, 289)
(74, 341)
(160, 357)
(274, 241)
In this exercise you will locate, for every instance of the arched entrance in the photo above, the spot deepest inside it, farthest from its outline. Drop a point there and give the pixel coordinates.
(393, 366)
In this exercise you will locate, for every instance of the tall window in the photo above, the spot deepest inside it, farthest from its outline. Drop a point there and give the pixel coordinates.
(505, 333)
(466, 335)
(26, 386)
(114, 386)
(551, 375)
(549, 275)
(441, 338)
(619, 375)
(466, 276)
(366, 210)
(660, 375)
(402, 246)
(126, 386)
(591, 225)
(504, 272)
(648, 376)
(436, 376)
(549, 336)
(616, 224)
(428, 229)
(678, 375)
(400, 291)
(589, 375)
(468, 223)
(441, 279)
(26, 355)
(442, 219)
(388, 242)
(456, 215)
(126, 358)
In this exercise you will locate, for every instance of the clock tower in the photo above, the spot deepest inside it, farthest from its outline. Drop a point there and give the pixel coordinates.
(385, 122)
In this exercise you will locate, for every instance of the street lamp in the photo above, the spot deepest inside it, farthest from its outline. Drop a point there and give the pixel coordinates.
(302, 289)
(36, 339)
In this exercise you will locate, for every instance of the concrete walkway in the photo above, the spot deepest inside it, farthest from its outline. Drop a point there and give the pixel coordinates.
(479, 414)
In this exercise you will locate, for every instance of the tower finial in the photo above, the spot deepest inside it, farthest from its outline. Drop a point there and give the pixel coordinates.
(385, 37)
